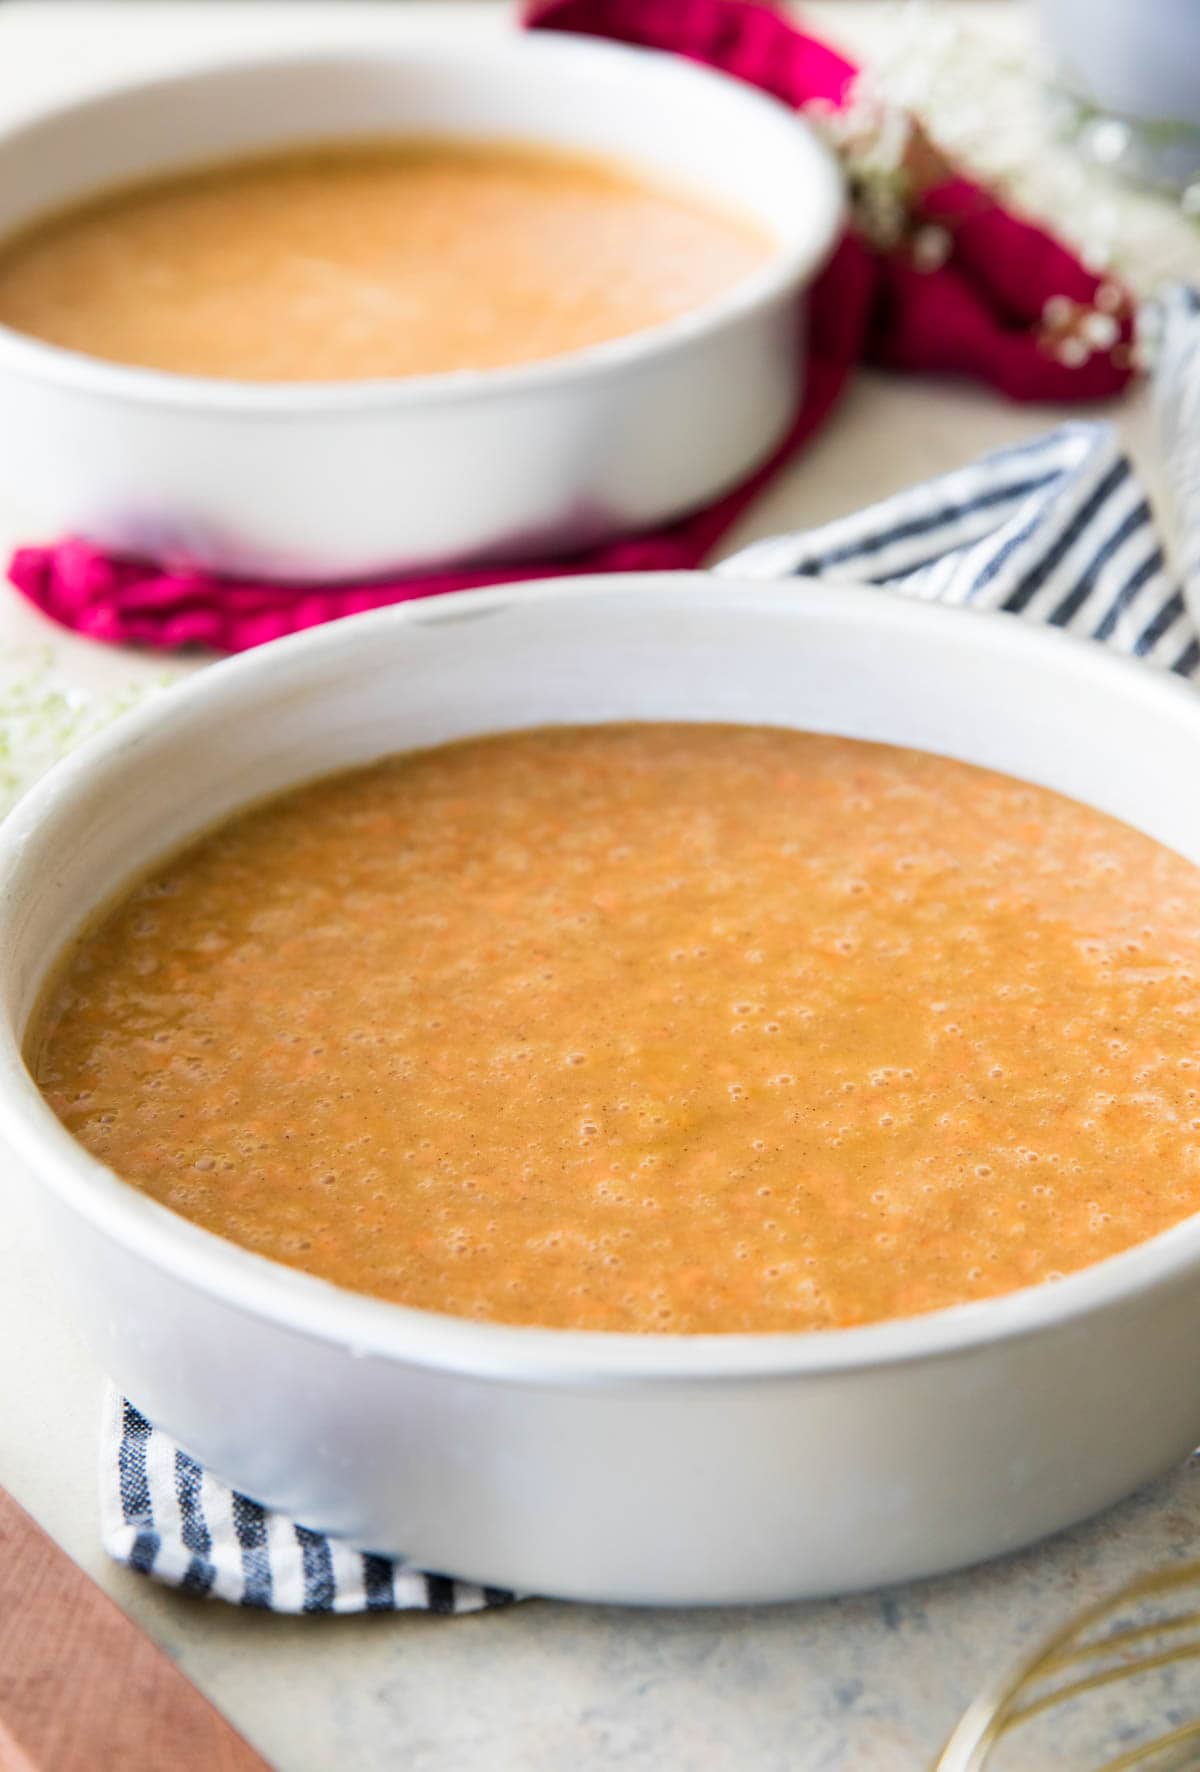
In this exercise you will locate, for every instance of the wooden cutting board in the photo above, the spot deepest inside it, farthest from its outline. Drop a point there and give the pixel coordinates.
(81, 1688)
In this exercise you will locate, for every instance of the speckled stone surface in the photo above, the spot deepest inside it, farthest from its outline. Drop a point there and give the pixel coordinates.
(868, 1684)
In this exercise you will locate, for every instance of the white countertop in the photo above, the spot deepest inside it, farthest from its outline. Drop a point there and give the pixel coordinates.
(870, 1684)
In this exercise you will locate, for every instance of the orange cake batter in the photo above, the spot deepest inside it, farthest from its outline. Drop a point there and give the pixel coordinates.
(335, 263)
(652, 1027)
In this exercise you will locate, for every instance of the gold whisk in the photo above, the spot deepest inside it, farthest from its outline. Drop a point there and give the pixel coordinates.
(1098, 1648)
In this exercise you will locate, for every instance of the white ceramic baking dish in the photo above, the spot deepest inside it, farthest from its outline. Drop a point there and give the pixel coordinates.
(344, 480)
(614, 1467)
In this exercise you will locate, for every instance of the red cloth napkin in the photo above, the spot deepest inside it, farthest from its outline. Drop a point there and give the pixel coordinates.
(981, 312)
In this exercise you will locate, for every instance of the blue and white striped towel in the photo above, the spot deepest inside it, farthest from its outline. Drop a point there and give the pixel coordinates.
(1056, 531)
(164, 1515)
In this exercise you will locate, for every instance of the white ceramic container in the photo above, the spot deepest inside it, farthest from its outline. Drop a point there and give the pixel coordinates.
(1129, 71)
(342, 480)
(613, 1467)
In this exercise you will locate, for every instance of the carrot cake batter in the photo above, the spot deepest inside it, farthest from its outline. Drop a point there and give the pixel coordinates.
(652, 1027)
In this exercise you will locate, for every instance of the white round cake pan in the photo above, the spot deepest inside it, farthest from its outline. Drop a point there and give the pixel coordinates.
(311, 481)
(649, 1468)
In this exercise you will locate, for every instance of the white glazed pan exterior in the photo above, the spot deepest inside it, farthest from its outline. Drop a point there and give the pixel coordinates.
(632, 1468)
(345, 480)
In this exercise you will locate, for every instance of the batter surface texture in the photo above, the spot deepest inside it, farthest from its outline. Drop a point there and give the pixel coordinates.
(653, 1027)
